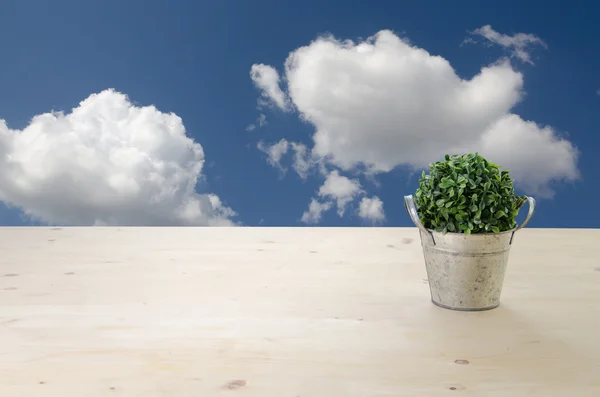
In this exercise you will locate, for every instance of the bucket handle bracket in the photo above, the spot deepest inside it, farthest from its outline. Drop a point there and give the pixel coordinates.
(409, 204)
(531, 202)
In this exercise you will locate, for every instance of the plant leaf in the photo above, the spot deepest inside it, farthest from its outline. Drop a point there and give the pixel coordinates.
(467, 194)
(499, 214)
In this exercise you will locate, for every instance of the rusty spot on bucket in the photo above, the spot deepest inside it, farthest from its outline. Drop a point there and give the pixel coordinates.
(11, 275)
(407, 240)
(597, 268)
(235, 384)
(461, 362)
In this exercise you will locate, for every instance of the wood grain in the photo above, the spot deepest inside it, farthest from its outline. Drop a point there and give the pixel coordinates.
(298, 312)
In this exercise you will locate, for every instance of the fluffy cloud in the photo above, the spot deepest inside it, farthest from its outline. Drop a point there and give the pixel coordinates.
(341, 189)
(537, 154)
(371, 209)
(275, 152)
(266, 78)
(260, 122)
(315, 211)
(108, 162)
(336, 189)
(517, 44)
(304, 160)
(383, 102)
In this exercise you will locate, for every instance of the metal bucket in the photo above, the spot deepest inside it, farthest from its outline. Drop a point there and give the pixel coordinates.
(465, 272)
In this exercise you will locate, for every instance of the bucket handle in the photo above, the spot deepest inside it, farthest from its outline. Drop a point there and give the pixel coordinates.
(531, 202)
(409, 204)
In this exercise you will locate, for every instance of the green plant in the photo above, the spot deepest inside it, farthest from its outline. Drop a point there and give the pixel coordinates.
(467, 194)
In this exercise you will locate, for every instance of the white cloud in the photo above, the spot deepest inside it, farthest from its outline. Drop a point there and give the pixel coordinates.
(382, 103)
(371, 209)
(266, 78)
(336, 189)
(341, 189)
(275, 152)
(518, 43)
(512, 141)
(303, 160)
(315, 211)
(261, 121)
(108, 162)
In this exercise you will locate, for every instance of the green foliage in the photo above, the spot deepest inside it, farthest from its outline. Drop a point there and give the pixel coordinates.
(467, 194)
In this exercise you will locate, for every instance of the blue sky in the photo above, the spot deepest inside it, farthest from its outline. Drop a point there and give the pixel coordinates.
(194, 59)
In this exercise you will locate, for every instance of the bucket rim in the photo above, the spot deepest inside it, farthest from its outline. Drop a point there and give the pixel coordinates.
(411, 208)
(474, 235)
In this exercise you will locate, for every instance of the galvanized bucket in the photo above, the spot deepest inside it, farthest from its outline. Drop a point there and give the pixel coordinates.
(465, 272)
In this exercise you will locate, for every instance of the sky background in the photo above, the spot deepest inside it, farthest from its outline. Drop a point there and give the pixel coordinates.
(185, 113)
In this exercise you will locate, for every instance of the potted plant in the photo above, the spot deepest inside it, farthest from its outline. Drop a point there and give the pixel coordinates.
(465, 211)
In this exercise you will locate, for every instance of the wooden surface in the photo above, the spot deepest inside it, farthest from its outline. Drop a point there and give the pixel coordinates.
(287, 312)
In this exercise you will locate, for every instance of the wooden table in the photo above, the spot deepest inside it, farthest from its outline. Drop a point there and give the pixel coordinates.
(287, 312)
